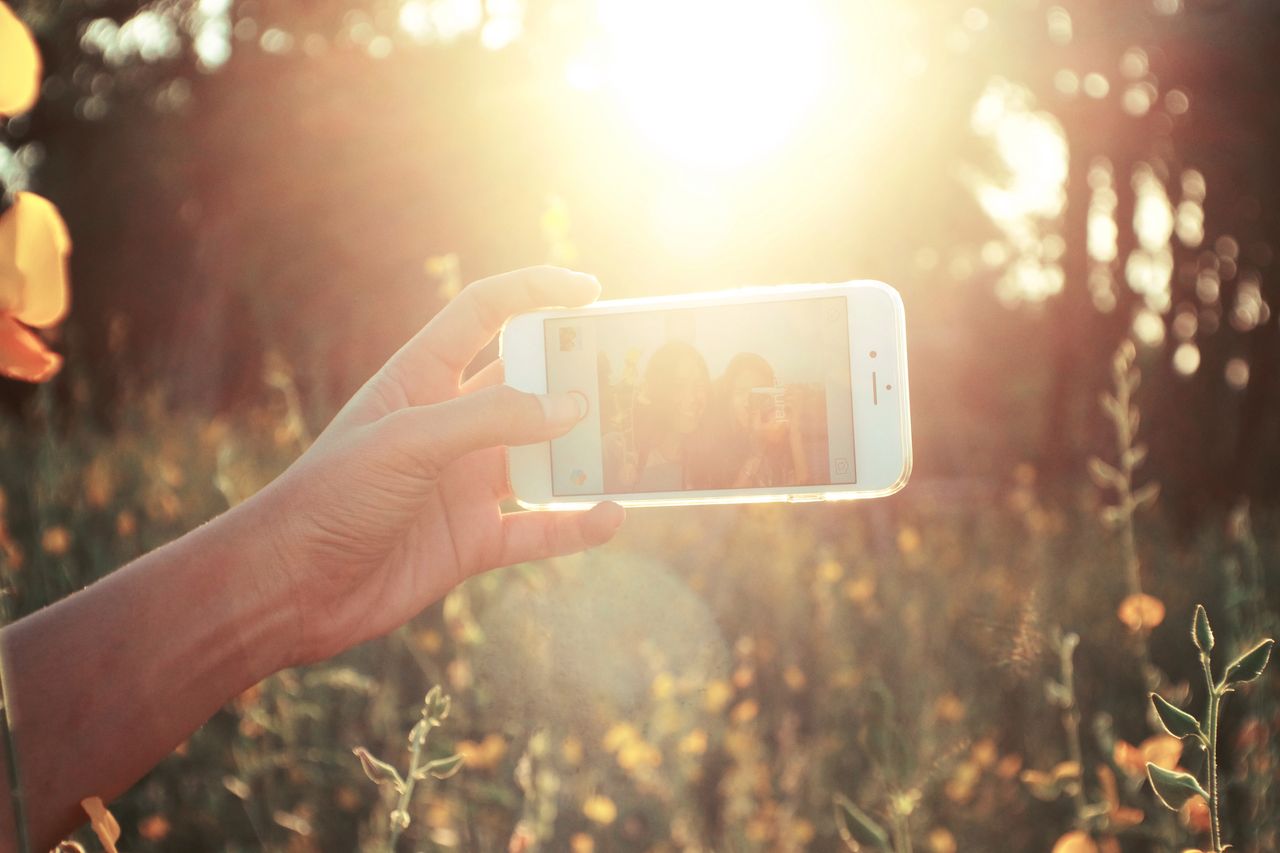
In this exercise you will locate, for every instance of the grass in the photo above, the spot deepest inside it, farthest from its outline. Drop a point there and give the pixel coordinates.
(710, 681)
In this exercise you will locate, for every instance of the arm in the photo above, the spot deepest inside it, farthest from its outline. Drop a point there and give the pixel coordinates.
(395, 504)
(106, 682)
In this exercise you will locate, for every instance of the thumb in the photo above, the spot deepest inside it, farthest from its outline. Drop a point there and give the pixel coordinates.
(433, 436)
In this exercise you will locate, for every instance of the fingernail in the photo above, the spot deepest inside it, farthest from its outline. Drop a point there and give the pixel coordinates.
(563, 408)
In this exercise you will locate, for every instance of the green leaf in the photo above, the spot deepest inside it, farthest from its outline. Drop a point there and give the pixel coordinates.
(441, 768)
(1174, 787)
(379, 771)
(1249, 665)
(1201, 633)
(1176, 721)
(857, 829)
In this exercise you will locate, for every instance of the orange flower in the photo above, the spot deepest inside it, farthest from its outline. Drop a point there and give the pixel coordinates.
(1121, 816)
(1162, 750)
(33, 285)
(1141, 612)
(154, 828)
(1195, 815)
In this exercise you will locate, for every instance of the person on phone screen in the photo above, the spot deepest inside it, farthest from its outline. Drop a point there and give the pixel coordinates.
(654, 454)
(398, 501)
(750, 438)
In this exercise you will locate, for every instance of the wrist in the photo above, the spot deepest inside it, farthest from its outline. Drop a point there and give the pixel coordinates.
(263, 612)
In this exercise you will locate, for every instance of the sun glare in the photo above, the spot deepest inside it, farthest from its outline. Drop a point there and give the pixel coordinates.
(714, 83)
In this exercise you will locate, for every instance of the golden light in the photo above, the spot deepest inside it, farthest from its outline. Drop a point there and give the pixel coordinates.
(714, 83)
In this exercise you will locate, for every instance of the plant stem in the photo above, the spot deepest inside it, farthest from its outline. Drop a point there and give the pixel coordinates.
(1211, 721)
(1071, 717)
(1125, 440)
(407, 794)
(901, 832)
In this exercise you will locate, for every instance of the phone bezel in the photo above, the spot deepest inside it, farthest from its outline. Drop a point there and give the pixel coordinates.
(882, 419)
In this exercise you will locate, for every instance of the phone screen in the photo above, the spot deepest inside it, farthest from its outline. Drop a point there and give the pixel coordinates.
(724, 397)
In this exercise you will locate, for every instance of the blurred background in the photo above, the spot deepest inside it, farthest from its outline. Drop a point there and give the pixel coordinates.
(266, 199)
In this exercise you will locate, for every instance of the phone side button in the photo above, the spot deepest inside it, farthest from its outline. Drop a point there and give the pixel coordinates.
(803, 499)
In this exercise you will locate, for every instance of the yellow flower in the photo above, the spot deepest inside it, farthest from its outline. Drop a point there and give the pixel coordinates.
(694, 743)
(744, 712)
(717, 696)
(942, 841)
(637, 754)
(429, 640)
(55, 540)
(485, 754)
(600, 809)
(860, 590)
(619, 735)
(949, 708)
(571, 751)
(802, 832)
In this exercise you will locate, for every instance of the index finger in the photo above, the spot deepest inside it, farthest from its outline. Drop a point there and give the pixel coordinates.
(437, 355)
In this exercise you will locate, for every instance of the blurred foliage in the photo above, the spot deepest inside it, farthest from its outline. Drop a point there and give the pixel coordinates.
(266, 199)
(709, 681)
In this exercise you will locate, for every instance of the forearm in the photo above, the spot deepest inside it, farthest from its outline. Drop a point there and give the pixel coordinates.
(105, 683)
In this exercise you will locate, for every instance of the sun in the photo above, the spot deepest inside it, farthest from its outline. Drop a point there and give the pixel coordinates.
(715, 83)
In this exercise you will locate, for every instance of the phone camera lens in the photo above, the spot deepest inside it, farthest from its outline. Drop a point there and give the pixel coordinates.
(873, 353)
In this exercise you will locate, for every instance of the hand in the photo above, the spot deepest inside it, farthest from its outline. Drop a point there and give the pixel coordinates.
(397, 502)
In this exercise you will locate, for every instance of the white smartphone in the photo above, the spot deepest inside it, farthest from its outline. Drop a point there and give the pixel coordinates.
(784, 393)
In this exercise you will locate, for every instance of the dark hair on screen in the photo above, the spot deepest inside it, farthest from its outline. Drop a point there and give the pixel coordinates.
(722, 445)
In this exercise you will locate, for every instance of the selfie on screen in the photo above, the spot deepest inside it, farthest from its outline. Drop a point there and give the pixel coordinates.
(724, 397)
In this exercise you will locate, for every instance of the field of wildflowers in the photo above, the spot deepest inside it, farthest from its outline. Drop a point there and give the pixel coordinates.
(961, 667)
(1053, 640)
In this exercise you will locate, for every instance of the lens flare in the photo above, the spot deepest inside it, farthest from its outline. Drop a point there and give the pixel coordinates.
(715, 83)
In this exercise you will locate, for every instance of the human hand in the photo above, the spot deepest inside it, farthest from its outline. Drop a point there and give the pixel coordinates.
(398, 501)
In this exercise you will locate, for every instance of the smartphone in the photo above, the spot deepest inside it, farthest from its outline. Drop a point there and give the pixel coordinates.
(782, 393)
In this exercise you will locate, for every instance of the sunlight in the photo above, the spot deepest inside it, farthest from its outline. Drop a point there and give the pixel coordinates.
(712, 82)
